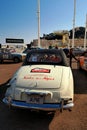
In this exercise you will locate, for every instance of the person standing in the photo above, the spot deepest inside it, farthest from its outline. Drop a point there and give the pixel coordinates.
(56, 47)
(50, 46)
(71, 56)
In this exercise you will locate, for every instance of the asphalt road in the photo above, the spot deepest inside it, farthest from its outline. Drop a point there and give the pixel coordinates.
(29, 120)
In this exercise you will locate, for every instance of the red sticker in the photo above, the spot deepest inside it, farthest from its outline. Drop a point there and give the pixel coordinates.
(40, 70)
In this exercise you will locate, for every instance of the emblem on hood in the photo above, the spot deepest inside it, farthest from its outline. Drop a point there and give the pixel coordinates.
(40, 70)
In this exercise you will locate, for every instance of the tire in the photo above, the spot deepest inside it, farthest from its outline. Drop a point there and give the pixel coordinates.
(1, 61)
(16, 60)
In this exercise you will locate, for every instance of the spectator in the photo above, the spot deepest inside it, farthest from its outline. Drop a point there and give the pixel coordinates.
(71, 56)
(56, 47)
(45, 58)
(7, 46)
(50, 47)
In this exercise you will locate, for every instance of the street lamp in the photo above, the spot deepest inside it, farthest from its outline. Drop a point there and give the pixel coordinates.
(85, 34)
(38, 12)
(74, 23)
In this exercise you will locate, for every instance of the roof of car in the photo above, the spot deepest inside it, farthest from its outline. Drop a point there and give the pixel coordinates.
(46, 50)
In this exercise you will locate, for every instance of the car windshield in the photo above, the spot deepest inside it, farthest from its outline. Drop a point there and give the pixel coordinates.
(46, 58)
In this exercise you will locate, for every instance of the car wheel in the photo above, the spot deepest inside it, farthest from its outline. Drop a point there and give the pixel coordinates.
(1, 61)
(16, 60)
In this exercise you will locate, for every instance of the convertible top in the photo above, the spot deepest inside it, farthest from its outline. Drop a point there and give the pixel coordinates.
(46, 56)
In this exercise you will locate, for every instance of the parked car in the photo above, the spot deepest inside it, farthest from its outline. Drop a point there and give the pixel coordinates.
(27, 50)
(43, 82)
(10, 54)
(82, 64)
(77, 51)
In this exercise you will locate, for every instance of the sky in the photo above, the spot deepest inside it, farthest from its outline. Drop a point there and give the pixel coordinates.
(18, 18)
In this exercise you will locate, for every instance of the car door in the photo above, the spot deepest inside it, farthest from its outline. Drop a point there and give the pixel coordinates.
(1, 56)
(6, 55)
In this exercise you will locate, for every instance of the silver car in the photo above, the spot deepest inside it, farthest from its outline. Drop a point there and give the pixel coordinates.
(78, 51)
(11, 55)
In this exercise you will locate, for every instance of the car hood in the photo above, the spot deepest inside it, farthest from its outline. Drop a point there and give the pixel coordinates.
(42, 76)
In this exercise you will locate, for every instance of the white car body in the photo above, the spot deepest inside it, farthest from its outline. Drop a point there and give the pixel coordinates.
(42, 87)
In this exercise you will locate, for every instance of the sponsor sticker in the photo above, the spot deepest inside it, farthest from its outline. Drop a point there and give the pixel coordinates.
(40, 70)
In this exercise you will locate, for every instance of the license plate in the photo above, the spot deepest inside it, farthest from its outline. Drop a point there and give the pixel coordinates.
(35, 99)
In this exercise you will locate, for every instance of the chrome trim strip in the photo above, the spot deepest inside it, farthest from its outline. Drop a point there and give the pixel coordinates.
(37, 106)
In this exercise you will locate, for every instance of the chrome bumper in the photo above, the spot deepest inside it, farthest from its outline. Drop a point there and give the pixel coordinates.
(37, 106)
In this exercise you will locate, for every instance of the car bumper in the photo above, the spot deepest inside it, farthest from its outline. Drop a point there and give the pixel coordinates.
(47, 106)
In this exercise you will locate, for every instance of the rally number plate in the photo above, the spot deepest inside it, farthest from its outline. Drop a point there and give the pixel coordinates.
(35, 99)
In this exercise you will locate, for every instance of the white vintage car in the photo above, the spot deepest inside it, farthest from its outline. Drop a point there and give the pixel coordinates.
(43, 82)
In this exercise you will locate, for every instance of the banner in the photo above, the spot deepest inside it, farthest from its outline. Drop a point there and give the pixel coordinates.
(11, 40)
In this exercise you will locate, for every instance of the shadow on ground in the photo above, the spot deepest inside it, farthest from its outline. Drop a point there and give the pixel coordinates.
(80, 81)
(3, 88)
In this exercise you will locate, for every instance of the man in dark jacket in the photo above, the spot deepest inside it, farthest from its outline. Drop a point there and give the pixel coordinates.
(71, 56)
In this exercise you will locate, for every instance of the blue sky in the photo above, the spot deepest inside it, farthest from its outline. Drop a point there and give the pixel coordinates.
(18, 18)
